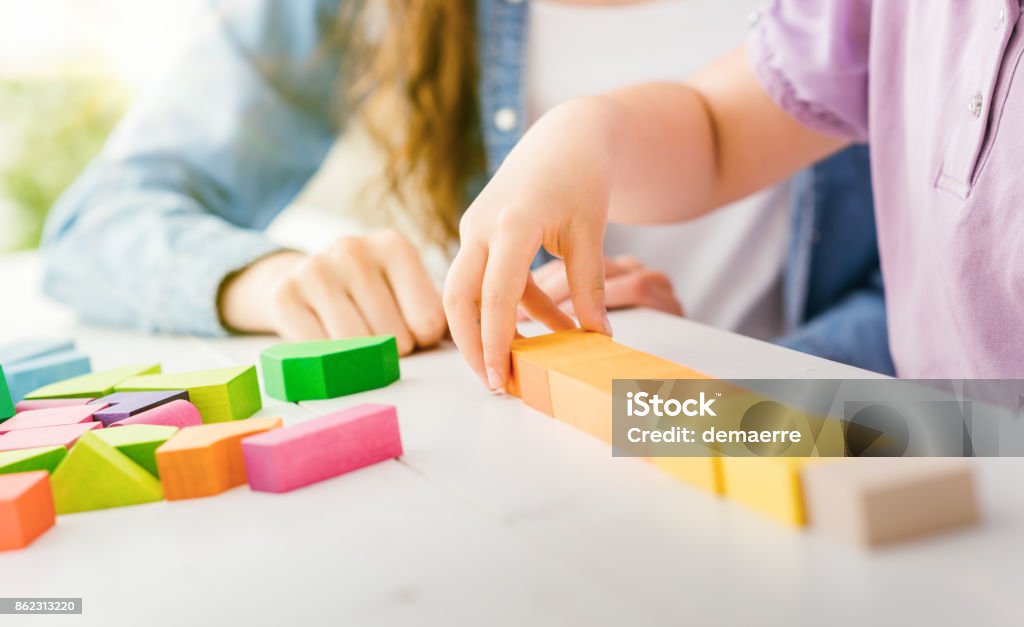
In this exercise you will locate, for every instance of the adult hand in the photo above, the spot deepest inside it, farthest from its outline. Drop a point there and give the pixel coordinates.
(358, 286)
(628, 283)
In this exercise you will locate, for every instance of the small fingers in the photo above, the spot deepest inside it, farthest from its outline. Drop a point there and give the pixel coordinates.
(504, 282)
(536, 304)
(585, 271)
(462, 305)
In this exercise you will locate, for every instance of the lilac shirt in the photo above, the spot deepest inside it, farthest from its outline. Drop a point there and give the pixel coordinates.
(933, 87)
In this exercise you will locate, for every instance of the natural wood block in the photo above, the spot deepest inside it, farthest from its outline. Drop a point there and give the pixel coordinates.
(282, 460)
(124, 405)
(220, 395)
(533, 357)
(702, 472)
(43, 458)
(581, 393)
(883, 500)
(53, 417)
(26, 508)
(770, 485)
(50, 403)
(6, 404)
(95, 475)
(93, 385)
(207, 460)
(301, 371)
(139, 442)
(63, 435)
(32, 374)
(177, 413)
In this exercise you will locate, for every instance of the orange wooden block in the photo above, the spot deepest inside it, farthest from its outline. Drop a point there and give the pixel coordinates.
(26, 508)
(581, 392)
(533, 357)
(207, 459)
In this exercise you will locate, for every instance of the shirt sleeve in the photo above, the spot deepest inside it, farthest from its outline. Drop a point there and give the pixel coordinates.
(177, 199)
(812, 59)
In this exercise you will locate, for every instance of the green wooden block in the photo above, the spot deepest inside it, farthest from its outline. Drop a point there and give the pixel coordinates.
(138, 442)
(94, 385)
(303, 371)
(46, 458)
(219, 395)
(95, 475)
(6, 404)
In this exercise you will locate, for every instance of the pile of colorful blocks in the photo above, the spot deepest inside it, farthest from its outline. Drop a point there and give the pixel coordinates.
(135, 435)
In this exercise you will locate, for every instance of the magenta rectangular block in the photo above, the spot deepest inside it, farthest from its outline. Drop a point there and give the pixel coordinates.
(64, 435)
(177, 413)
(50, 403)
(52, 417)
(124, 405)
(282, 460)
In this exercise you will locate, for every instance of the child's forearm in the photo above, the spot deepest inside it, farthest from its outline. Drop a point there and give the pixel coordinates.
(679, 150)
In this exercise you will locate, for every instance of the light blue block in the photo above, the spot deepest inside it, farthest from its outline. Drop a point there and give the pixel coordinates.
(32, 374)
(11, 354)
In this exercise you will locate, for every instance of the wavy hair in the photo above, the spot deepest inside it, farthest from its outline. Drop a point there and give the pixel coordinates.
(411, 78)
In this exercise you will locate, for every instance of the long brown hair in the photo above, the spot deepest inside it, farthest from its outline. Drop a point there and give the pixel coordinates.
(411, 75)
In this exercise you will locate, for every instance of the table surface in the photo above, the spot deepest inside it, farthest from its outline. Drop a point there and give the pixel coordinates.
(496, 515)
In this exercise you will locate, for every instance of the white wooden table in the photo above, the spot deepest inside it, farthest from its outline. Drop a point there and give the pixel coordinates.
(496, 515)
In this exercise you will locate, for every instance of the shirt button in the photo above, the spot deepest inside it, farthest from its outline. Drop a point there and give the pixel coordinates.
(506, 119)
(974, 106)
(753, 18)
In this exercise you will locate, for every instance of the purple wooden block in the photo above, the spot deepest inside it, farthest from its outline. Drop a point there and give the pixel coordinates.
(127, 404)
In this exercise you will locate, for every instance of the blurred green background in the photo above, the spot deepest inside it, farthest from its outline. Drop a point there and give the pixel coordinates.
(68, 71)
(53, 129)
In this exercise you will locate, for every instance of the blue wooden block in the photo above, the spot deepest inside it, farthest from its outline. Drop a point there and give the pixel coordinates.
(31, 374)
(11, 354)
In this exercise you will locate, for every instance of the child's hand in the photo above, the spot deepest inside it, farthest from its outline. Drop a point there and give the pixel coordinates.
(552, 191)
(650, 153)
(359, 286)
(628, 283)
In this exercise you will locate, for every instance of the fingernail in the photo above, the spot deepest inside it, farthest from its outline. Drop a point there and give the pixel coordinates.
(607, 325)
(493, 379)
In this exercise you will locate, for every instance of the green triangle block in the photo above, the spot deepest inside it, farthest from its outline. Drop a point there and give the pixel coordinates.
(6, 405)
(302, 371)
(220, 395)
(46, 458)
(96, 475)
(138, 442)
(93, 385)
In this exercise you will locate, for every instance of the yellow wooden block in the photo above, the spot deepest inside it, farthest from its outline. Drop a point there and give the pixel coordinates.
(770, 485)
(533, 357)
(581, 392)
(738, 409)
(702, 472)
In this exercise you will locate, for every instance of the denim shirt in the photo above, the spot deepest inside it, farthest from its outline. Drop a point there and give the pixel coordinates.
(179, 197)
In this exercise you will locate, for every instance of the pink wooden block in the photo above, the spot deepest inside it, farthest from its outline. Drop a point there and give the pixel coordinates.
(52, 417)
(49, 403)
(175, 414)
(282, 460)
(64, 435)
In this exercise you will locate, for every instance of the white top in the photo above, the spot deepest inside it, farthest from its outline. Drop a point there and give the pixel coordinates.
(725, 267)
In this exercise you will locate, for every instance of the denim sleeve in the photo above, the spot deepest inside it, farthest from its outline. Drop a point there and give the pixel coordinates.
(853, 331)
(177, 199)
